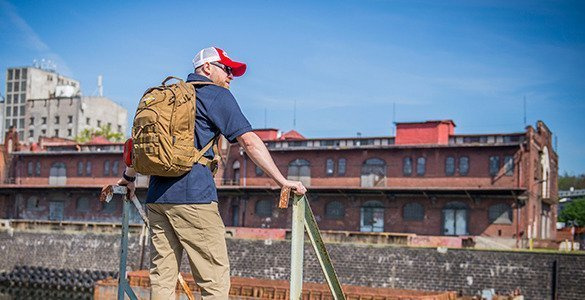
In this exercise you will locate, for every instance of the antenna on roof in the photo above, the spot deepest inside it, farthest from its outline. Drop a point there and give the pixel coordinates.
(295, 115)
(524, 110)
(393, 117)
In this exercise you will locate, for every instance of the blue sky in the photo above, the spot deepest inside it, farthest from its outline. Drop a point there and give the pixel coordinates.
(344, 63)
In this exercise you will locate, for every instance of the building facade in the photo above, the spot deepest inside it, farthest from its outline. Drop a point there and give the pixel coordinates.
(426, 180)
(43, 103)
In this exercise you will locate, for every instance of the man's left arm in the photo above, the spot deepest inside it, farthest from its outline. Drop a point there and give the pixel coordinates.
(259, 154)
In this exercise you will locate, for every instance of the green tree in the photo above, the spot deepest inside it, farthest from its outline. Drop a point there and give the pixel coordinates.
(106, 131)
(567, 181)
(574, 212)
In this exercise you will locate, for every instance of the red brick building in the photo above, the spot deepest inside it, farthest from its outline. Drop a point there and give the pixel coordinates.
(426, 180)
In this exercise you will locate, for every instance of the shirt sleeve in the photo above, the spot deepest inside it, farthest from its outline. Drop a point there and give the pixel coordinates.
(226, 114)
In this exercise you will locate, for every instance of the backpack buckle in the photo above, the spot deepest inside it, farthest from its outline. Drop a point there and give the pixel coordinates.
(213, 166)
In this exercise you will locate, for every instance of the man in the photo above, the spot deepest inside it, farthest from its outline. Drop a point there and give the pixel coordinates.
(183, 210)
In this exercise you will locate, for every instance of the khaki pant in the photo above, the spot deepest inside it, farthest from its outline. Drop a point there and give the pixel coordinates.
(199, 230)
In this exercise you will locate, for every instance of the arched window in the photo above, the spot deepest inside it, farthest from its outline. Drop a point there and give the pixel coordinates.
(421, 166)
(455, 219)
(30, 169)
(115, 165)
(407, 166)
(329, 167)
(373, 173)
(38, 168)
(88, 168)
(300, 169)
(334, 210)
(58, 174)
(236, 172)
(32, 203)
(500, 214)
(413, 212)
(263, 208)
(463, 165)
(450, 166)
(341, 164)
(372, 217)
(80, 168)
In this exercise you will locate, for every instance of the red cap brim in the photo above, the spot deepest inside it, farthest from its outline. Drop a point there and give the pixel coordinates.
(238, 68)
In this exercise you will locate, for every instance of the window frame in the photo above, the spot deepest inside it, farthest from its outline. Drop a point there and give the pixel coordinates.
(419, 164)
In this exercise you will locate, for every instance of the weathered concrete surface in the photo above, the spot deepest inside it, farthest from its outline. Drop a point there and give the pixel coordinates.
(376, 266)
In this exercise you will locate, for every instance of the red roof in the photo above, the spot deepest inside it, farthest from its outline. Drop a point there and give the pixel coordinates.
(99, 140)
(292, 135)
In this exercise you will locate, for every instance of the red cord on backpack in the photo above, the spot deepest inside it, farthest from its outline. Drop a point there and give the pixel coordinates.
(128, 152)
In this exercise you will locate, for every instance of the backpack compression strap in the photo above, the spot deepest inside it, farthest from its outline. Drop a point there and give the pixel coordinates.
(212, 164)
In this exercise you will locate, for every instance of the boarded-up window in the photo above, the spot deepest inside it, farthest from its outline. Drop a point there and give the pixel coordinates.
(334, 210)
(413, 212)
(83, 204)
(373, 173)
(300, 169)
(372, 217)
(56, 210)
(500, 213)
(263, 208)
(58, 174)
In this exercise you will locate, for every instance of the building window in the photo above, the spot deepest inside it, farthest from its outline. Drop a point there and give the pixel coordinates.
(500, 214)
(258, 171)
(32, 121)
(494, 165)
(57, 120)
(88, 168)
(463, 165)
(407, 166)
(300, 169)
(373, 173)
(509, 165)
(69, 132)
(58, 174)
(56, 133)
(10, 74)
(455, 219)
(83, 204)
(120, 128)
(70, 119)
(32, 203)
(236, 172)
(38, 168)
(341, 165)
(99, 123)
(30, 168)
(263, 208)
(421, 167)
(450, 166)
(44, 120)
(334, 210)
(87, 121)
(413, 212)
(107, 168)
(115, 165)
(329, 167)
(372, 217)
(79, 168)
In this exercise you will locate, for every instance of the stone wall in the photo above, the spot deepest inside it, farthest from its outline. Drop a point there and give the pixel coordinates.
(377, 266)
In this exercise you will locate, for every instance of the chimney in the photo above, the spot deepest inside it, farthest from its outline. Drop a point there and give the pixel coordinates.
(428, 132)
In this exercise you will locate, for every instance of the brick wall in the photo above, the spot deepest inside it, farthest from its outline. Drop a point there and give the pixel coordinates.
(376, 266)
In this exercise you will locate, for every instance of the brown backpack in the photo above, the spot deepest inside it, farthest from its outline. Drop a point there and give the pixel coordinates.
(163, 132)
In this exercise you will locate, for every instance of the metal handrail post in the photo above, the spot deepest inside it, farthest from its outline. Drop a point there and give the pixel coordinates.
(297, 248)
(123, 285)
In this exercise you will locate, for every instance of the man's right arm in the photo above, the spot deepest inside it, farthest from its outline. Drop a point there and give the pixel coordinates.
(258, 152)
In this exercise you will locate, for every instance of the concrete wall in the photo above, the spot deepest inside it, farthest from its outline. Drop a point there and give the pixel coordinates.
(380, 266)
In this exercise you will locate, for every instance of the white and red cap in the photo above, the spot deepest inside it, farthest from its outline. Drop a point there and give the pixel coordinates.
(213, 54)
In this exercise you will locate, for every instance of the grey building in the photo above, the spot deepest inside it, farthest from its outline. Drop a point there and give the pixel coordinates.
(42, 102)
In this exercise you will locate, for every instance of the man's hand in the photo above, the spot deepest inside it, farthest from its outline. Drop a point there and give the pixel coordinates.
(129, 185)
(297, 187)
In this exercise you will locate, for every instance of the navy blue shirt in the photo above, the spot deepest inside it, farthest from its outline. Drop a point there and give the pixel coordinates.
(217, 112)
